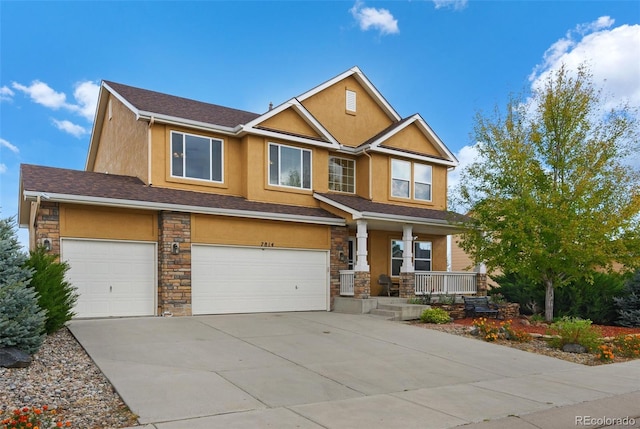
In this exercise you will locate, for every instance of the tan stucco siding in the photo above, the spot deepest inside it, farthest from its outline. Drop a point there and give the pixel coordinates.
(412, 139)
(82, 221)
(351, 129)
(379, 243)
(123, 143)
(247, 232)
(161, 155)
(290, 121)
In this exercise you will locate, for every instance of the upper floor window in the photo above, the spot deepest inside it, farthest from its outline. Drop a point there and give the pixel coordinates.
(289, 166)
(196, 157)
(342, 174)
(410, 178)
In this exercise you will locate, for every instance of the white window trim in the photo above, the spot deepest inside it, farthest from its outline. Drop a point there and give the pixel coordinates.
(391, 258)
(301, 187)
(412, 181)
(415, 258)
(210, 148)
(354, 173)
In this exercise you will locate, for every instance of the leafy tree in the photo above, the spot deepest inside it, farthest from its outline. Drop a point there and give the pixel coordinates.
(21, 319)
(56, 295)
(550, 195)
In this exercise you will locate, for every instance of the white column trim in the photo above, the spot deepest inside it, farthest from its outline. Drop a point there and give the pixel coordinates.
(407, 254)
(361, 246)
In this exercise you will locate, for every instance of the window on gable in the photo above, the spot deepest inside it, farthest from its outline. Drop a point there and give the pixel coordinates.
(410, 179)
(289, 166)
(342, 174)
(351, 101)
(196, 157)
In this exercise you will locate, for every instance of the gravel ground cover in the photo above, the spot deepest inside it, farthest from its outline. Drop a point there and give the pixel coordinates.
(63, 377)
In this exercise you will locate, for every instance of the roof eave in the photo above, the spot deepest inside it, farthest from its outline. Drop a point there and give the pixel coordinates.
(149, 205)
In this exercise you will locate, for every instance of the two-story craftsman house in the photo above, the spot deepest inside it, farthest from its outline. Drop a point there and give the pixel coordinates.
(186, 207)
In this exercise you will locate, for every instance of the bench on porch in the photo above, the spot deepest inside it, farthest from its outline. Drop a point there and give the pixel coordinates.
(479, 306)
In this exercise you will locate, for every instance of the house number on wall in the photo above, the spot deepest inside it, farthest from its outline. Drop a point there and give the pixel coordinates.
(267, 244)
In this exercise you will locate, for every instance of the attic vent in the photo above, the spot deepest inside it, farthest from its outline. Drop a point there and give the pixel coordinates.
(351, 101)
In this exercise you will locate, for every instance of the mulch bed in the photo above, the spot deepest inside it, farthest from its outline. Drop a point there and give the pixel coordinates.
(537, 345)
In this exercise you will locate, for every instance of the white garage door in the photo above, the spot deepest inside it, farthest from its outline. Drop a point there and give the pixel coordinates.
(251, 280)
(113, 278)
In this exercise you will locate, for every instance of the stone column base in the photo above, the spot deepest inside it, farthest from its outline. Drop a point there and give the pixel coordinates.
(361, 284)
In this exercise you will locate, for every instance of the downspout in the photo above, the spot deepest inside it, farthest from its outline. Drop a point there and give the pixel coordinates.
(33, 215)
(149, 152)
(370, 172)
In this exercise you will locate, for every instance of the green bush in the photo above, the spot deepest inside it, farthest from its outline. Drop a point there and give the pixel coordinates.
(572, 330)
(56, 295)
(515, 288)
(591, 298)
(435, 315)
(21, 319)
(628, 305)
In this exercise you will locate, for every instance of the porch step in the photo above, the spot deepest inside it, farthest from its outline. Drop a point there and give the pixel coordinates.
(405, 311)
(386, 314)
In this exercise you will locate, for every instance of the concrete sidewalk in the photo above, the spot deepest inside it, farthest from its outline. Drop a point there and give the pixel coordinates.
(330, 370)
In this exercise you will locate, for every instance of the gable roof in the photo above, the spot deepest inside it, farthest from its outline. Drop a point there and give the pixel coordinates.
(85, 187)
(357, 74)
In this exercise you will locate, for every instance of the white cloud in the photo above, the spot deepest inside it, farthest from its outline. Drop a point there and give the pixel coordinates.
(466, 156)
(85, 96)
(611, 54)
(71, 128)
(12, 148)
(376, 19)
(3, 168)
(6, 94)
(452, 4)
(43, 94)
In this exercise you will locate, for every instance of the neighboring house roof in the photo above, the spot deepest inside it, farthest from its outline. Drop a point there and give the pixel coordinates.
(362, 208)
(82, 187)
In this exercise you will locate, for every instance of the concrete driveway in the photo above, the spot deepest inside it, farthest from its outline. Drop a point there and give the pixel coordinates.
(330, 370)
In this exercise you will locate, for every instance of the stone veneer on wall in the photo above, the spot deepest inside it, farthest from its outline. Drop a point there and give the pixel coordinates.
(48, 225)
(339, 243)
(174, 270)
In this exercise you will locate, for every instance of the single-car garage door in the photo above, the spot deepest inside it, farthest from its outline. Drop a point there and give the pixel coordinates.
(113, 278)
(250, 280)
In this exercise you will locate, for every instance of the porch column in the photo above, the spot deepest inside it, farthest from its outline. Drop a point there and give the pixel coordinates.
(407, 254)
(361, 247)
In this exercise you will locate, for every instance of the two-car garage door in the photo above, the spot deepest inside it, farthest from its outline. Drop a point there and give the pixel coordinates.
(118, 278)
(249, 280)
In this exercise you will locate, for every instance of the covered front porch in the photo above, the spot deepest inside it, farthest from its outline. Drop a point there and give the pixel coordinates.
(404, 247)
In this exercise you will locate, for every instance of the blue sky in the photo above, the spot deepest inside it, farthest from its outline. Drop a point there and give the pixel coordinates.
(443, 59)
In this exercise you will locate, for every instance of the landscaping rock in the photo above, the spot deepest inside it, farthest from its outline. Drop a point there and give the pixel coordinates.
(10, 357)
(573, 348)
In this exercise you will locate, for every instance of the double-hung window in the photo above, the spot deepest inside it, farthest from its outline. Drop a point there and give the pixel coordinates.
(410, 180)
(289, 166)
(196, 157)
(342, 174)
(421, 256)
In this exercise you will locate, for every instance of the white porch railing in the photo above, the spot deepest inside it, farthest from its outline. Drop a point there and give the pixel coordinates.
(346, 282)
(445, 282)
